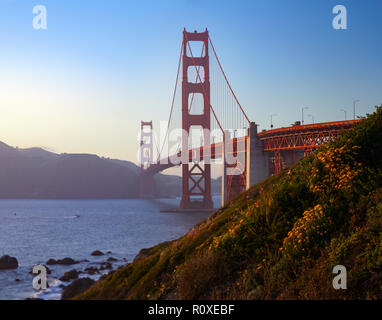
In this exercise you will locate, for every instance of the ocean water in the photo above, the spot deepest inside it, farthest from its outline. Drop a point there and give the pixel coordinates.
(34, 231)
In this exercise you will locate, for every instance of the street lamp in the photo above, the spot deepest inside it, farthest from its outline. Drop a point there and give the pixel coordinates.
(302, 122)
(272, 115)
(344, 112)
(354, 102)
(312, 116)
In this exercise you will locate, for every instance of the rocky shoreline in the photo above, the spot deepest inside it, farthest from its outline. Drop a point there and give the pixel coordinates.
(79, 276)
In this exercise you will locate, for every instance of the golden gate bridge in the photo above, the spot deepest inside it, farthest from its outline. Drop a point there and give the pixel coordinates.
(204, 100)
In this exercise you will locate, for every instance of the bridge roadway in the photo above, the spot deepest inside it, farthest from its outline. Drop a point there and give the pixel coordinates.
(304, 138)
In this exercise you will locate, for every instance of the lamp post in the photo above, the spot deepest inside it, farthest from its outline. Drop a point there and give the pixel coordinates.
(302, 111)
(354, 102)
(312, 116)
(272, 115)
(344, 112)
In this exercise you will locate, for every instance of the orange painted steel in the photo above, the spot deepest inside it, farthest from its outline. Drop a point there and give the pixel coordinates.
(301, 137)
(196, 177)
(305, 138)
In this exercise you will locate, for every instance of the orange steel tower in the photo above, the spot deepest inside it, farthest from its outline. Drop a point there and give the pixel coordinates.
(146, 159)
(196, 175)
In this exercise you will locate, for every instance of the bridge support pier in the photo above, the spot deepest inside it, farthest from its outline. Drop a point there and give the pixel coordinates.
(147, 187)
(292, 157)
(257, 162)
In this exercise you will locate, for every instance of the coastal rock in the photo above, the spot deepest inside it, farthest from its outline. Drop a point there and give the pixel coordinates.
(111, 259)
(7, 263)
(106, 265)
(91, 270)
(97, 253)
(103, 277)
(65, 261)
(76, 287)
(51, 262)
(145, 252)
(70, 275)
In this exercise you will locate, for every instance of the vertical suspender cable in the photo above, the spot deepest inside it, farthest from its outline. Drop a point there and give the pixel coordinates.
(173, 100)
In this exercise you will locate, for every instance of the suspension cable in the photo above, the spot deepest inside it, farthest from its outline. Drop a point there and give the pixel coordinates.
(217, 59)
(173, 100)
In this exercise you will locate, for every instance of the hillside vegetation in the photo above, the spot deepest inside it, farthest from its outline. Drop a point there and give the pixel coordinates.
(279, 240)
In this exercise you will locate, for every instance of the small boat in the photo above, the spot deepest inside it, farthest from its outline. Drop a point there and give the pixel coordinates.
(76, 216)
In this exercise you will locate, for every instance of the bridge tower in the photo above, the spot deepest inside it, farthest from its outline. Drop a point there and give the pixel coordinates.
(146, 159)
(196, 186)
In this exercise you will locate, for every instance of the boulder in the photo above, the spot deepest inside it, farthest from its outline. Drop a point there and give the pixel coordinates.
(106, 265)
(145, 252)
(91, 270)
(103, 277)
(70, 275)
(76, 287)
(51, 262)
(65, 261)
(8, 263)
(111, 259)
(97, 253)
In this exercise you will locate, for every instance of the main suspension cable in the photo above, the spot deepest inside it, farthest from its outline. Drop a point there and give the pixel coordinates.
(217, 59)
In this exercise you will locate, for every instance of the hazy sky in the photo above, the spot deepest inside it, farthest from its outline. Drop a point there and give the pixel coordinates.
(84, 84)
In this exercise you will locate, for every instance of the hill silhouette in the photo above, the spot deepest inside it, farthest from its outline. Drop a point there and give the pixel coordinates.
(39, 174)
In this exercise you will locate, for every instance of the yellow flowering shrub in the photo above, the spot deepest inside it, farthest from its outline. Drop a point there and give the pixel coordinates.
(313, 225)
(335, 169)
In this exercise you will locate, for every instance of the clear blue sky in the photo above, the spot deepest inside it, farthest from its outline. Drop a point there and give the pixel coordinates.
(84, 84)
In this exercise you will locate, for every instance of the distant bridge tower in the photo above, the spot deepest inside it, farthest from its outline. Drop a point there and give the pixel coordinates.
(196, 193)
(146, 159)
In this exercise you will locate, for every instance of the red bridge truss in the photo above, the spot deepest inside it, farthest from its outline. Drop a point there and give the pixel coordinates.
(305, 138)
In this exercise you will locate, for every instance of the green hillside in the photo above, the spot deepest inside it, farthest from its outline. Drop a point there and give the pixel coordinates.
(279, 240)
